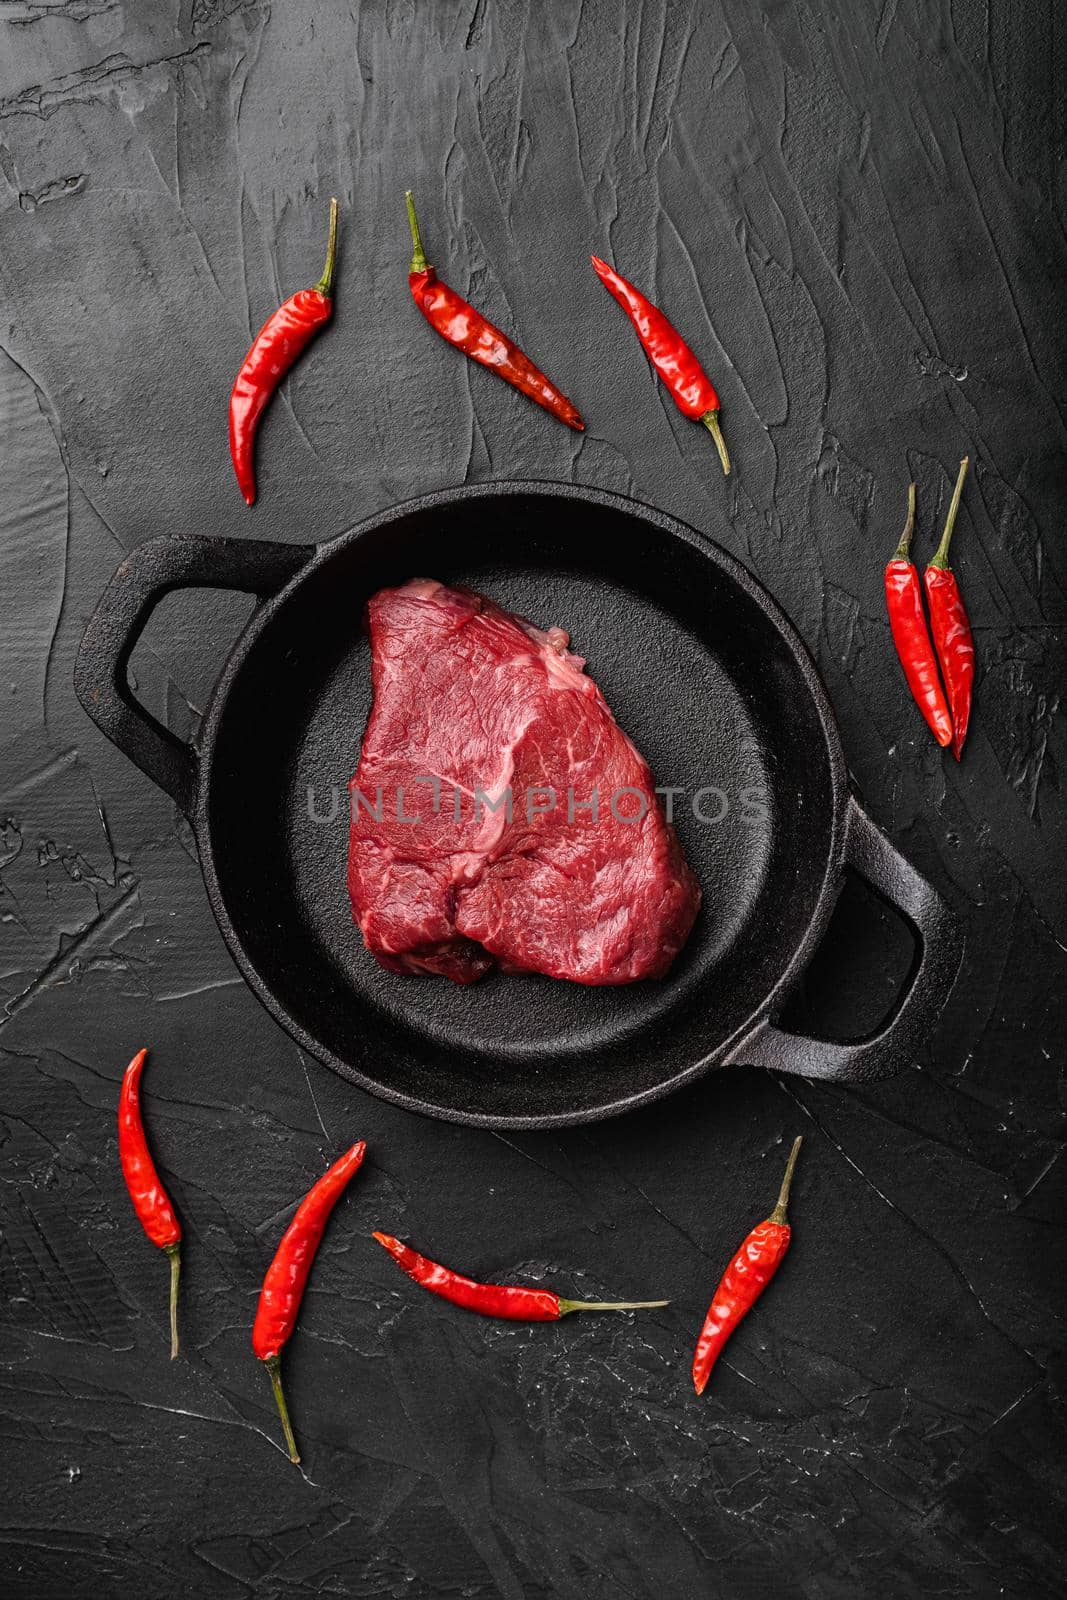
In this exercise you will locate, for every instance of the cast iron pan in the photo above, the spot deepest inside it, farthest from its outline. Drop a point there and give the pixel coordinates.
(703, 672)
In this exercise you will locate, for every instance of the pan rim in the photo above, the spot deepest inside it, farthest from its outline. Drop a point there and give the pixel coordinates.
(665, 523)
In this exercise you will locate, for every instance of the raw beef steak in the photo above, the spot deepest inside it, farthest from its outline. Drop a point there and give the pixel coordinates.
(473, 839)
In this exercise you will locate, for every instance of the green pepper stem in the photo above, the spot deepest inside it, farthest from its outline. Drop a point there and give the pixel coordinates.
(903, 549)
(418, 258)
(710, 419)
(779, 1213)
(174, 1251)
(325, 283)
(941, 556)
(567, 1306)
(273, 1365)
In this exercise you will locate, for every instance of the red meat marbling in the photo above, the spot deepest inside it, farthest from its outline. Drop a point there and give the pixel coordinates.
(469, 700)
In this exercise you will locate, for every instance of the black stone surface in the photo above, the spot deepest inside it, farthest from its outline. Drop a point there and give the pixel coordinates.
(856, 213)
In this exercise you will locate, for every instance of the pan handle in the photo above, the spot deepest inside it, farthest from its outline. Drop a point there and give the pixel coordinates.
(150, 571)
(938, 959)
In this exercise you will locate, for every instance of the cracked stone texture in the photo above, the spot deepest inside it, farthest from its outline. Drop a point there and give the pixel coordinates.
(857, 215)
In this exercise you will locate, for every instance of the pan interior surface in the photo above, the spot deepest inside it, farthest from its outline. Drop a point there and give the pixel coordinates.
(696, 673)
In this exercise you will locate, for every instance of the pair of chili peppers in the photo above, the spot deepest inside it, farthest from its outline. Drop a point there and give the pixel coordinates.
(458, 322)
(283, 1286)
(288, 331)
(749, 1273)
(952, 643)
(287, 1275)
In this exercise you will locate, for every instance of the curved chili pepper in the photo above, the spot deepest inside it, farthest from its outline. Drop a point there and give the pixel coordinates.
(903, 598)
(950, 625)
(693, 391)
(287, 1275)
(283, 337)
(512, 1301)
(744, 1280)
(150, 1200)
(458, 322)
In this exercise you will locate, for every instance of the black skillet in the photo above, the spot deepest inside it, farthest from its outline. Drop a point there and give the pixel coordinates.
(701, 669)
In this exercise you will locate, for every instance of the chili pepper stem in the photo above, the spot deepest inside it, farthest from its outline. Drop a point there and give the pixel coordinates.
(325, 283)
(273, 1365)
(174, 1251)
(940, 557)
(418, 258)
(903, 549)
(567, 1306)
(710, 419)
(778, 1215)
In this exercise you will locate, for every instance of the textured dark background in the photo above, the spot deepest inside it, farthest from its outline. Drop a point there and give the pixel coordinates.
(856, 212)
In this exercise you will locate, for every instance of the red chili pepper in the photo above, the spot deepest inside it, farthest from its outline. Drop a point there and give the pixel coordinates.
(512, 1301)
(951, 626)
(150, 1200)
(458, 322)
(287, 1275)
(693, 391)
(283, 337)
(903, 597)
(744, 1280)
